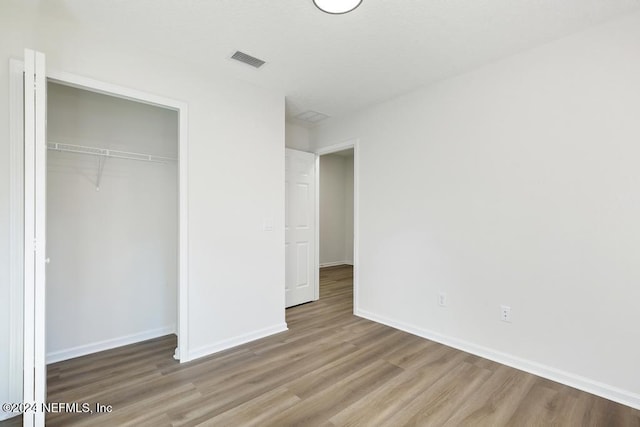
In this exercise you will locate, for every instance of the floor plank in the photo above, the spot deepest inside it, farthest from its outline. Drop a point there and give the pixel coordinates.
(330, 369)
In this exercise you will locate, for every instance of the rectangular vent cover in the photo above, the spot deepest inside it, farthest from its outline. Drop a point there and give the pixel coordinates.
(248, 59)
(312, 116)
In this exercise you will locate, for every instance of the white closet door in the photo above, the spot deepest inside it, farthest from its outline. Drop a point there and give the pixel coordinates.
(35, 183)
(300, 197)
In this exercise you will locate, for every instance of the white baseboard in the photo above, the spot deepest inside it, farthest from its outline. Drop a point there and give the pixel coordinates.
(83, 350)
(236, 341)
(335, 263)
(567, 378)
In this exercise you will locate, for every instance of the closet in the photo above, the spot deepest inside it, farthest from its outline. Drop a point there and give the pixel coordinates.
(112, 222)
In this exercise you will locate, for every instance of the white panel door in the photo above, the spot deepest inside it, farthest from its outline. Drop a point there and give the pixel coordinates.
(35, 173)
(300, 234)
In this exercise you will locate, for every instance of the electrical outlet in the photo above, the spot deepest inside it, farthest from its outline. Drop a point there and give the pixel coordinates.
(442, 299)
(505, 313)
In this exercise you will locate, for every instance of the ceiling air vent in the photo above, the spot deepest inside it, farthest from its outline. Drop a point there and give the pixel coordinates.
(248, 59)
(312, 116)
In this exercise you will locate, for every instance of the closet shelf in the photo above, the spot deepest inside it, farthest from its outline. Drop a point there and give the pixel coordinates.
(105, 152)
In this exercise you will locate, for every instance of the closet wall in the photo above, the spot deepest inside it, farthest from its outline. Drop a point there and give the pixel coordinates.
(112, 279)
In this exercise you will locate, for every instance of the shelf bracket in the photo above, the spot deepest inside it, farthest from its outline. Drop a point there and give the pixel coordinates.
(101, 160)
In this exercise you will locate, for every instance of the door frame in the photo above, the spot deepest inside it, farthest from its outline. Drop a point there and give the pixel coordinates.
(181, 108)
(351, 143)
(17, 190)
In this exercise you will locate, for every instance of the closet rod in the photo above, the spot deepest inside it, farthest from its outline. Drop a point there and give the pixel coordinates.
(105, 152)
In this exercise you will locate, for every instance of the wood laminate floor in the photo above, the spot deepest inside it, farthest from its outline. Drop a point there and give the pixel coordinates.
(330, 369)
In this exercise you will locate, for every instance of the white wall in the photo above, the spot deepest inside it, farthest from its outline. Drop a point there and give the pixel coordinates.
(236, 171)
(514, 184)
(332, 209)
(297, 136)
(113, 275)
(336, 209)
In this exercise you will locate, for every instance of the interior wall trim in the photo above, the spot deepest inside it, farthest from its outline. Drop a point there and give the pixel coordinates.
(83, 350)
(236, 341)
(335, 263)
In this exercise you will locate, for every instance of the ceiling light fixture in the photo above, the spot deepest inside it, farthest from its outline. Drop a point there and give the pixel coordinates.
(337, 7)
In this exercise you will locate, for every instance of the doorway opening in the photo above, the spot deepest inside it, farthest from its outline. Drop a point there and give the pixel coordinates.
(337, 216)
(112, 222)
(303, 228)
(336, 220)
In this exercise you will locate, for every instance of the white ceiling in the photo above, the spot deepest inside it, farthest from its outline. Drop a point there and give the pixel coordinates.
(336, 64)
